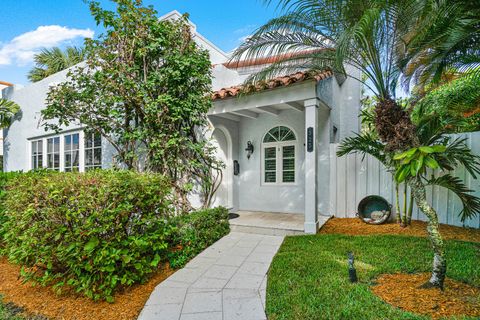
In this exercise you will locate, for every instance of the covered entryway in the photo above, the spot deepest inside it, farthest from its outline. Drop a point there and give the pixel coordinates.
(281, 137)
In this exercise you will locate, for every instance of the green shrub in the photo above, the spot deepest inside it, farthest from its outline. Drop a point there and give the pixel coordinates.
(4, 177)
(195, 232)
(94, 232)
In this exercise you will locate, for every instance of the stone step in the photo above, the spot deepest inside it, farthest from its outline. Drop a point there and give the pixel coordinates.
(264, 230)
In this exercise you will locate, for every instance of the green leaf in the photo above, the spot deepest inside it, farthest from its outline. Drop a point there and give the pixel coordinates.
(402, 173)
(413, 168)
(419, 163)
(110, 268)
(439, 148)
(403, 155)
(426, 149)
(91, 244)
(155, 261)
(431, 163)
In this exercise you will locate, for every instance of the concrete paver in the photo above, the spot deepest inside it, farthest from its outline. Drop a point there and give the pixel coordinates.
(227, 281)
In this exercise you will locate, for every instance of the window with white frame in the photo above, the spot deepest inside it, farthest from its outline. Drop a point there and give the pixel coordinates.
(93, 151)
(72, 152)
(53, 153)
(279, 147)
(37, 154)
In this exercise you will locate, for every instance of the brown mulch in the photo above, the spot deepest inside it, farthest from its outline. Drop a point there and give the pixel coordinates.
(355, 227)
(38, 300)
(402, 291)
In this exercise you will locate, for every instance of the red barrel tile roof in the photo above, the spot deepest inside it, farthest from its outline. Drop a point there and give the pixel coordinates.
(277, 82)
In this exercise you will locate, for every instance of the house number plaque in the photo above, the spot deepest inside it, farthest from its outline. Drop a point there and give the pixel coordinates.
(310, 140)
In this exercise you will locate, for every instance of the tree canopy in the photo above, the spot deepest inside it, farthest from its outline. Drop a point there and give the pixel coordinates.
(144, 87)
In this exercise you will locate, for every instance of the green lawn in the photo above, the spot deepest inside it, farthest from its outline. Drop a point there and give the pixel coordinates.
(11, 312)
(7, 312)
(308, 278)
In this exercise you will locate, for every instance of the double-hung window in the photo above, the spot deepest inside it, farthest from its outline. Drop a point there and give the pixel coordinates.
(37, 154)
(279, 156)
(53, 153)
(93, 151)
(72, 152)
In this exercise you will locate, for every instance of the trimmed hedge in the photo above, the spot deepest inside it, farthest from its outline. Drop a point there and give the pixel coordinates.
(94, 232)
(99, 231)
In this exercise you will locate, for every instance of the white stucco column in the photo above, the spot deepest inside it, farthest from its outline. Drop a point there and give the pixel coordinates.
(311, 127)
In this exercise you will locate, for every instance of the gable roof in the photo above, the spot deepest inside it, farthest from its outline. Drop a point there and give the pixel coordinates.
(281, 81)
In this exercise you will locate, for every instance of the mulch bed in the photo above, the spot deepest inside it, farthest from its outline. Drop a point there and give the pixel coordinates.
(402, 291)
(355, 227)
(38, 300)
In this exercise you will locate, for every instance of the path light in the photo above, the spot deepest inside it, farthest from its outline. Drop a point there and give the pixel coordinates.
(249, 149)
(352, 272)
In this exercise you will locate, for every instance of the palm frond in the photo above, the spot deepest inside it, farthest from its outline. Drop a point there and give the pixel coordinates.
(471, 203)
(364, 144)
(309, 62)
(442, 35)
(51, 61)
(8, 110)
(458, 153)
(362, 34)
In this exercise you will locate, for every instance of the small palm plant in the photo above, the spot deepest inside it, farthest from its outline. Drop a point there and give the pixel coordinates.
(438, 151)
(8, 110)
(51, 61)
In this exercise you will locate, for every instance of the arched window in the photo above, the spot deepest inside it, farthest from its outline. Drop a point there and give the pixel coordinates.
(279, 146)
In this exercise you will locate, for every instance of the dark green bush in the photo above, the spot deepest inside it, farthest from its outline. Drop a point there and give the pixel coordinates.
(4, 177)
(195, 232)
(94, 232)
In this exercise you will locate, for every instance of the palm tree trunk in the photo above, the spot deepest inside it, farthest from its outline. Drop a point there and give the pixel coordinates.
(439, 262)
(410, 209)
(397, 204)
(405, 205)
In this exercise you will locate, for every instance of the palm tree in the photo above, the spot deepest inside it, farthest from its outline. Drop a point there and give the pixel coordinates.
(341, 35)
(8, 110)
(438, 151)
(51, 61)
(370, 37)
(442, 37)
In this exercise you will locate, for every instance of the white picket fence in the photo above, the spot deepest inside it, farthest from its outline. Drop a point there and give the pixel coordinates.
(352, 179)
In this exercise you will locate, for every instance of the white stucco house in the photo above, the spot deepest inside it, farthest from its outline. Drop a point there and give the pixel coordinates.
(287, 125)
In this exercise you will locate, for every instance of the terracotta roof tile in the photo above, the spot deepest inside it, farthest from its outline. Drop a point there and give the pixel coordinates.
(277, 82)
(4, 83)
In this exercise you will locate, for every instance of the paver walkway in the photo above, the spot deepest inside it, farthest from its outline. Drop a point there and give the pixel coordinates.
(227, 281)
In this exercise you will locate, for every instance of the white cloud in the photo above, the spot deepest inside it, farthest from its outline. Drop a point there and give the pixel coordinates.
(21, 49)
(245, 29)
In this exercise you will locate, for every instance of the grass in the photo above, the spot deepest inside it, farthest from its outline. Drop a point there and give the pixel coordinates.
(308, 278)
(9, 311)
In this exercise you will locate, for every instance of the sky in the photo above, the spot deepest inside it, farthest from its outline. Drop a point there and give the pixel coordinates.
(27, 26)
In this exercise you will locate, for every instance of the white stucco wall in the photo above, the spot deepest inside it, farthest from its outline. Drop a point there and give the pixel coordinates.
(252, 194)
(27, 125)
(346, 105)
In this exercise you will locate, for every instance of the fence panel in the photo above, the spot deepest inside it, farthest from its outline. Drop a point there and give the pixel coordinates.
(352, 179)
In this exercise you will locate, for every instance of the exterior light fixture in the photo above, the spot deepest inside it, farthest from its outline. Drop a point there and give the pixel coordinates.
(249, 149)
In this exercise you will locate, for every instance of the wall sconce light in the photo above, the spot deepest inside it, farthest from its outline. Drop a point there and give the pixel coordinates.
(249, 149)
